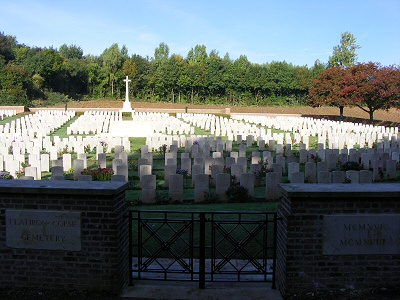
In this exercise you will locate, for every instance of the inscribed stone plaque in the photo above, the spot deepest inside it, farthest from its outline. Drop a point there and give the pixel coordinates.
(53, 230)
(361, 234)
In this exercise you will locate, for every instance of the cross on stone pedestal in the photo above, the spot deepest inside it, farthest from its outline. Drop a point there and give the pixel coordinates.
(127, 80)
(127, 105)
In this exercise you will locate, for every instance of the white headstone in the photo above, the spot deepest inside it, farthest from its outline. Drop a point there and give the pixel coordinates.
(201, 186)
(176, 187)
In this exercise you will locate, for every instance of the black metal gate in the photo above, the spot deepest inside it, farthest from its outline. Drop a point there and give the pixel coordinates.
(202, 246)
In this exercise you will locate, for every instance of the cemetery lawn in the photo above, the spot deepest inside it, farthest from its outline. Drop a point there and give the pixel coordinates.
(351, 114)
(134, 192)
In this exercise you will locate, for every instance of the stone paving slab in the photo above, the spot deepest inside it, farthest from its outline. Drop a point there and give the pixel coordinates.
(190, 290)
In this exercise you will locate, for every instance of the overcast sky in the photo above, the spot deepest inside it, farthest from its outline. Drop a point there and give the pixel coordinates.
(295, 31)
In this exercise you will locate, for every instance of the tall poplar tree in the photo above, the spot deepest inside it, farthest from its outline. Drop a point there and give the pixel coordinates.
(344, 55)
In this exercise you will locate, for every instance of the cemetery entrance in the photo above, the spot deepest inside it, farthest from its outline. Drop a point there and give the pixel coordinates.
(203, 246)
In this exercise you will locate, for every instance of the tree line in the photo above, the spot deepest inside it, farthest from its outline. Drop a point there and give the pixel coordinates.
(49, 74)
(35, 76)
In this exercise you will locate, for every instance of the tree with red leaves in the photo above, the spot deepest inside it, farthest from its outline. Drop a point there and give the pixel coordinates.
(327, 89)
(372, 87)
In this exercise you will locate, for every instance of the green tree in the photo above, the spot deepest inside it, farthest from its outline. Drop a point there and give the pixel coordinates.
(240, 81)
(74, 81)
(302, 82)
(94, 76)
(7, 43)
(157, 80)
(71, 52)
(48, 64)
(130, 69)
(112, 61)
(141, 83)
(281, 81)
(15, 85)
(197, 58)
(215, 69)
(344, 55)
(173, 72)
(317, 69)
(161, 54)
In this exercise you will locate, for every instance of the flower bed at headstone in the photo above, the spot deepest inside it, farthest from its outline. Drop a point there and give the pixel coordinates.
(100, 174)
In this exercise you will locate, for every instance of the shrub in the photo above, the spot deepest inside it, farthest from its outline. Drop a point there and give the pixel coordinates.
(210, 197)
(101, 174)
(6, 175)
(162, 197)
(351, 165)
(238, 193)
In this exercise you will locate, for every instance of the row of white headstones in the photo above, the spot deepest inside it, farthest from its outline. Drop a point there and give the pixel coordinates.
(29, 135)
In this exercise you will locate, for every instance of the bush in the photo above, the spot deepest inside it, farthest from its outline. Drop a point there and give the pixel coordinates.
(101, 174)
(6, 175)
(351, 165)
(53, 98)
(238, 193)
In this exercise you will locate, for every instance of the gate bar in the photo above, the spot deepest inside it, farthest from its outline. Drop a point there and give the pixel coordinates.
(130, 249)
(202, 266)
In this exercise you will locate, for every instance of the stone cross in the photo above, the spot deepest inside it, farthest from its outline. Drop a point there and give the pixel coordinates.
(127, 105)
(127, 89)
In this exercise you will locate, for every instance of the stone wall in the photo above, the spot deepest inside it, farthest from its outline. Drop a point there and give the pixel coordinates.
(18, 109)
(338, 236)
(152, 110)
(64, 235)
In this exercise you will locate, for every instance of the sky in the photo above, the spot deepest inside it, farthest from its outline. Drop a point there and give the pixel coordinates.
(296, 31)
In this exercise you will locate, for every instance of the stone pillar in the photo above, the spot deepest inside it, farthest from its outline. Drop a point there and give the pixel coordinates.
(322, 244)
(65, 257)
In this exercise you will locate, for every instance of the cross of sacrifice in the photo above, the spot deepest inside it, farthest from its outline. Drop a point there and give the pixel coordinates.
(127, 89)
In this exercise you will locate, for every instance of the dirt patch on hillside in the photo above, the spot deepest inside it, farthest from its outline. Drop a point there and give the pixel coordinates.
(352, 114)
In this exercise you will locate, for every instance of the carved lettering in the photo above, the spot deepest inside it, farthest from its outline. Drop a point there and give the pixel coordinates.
(360, 227)
(43, 229)
(362, 242)
(361, 234)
